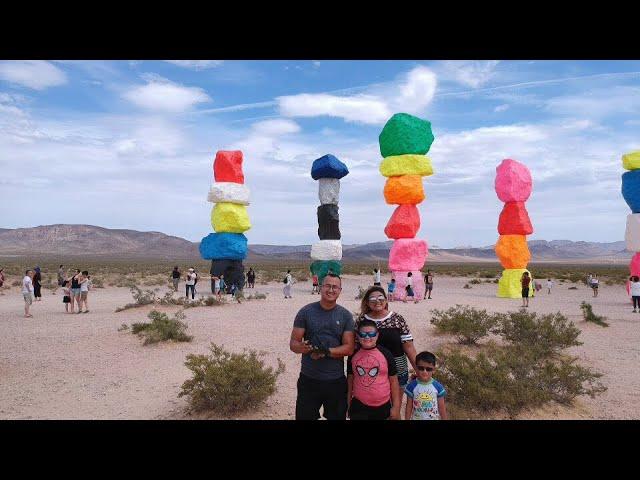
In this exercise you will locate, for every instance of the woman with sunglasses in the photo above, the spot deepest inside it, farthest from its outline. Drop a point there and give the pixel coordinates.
(393, 330)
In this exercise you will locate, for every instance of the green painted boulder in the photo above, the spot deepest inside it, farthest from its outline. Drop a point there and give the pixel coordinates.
(321, 268)
(405, 134)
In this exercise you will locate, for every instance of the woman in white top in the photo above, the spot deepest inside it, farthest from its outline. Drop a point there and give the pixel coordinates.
(635, 292)
(594, 285)
(191, 283)
(409, 289)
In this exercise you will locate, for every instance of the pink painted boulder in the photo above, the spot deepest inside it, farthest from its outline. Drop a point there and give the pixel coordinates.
(634, 266)
(513, 181)
(408, 254)
(404, 223)
(227, 167)
(401, 282)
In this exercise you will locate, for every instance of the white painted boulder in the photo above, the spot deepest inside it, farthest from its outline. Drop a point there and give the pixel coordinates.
(229, 192)
(327, 250)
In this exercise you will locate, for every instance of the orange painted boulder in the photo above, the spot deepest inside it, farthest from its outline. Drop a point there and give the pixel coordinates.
(406, 189)
(514, 220)
(512, 251)
(404, 223)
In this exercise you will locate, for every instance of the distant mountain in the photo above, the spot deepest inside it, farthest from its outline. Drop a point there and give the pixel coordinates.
(79, 240)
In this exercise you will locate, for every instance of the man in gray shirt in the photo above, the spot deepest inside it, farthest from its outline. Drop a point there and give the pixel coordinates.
(323, 332)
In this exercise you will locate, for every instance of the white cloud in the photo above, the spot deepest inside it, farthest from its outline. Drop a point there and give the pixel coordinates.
(416, 92)
(316, 64)
(501, 108)
(196, 64)
(276, 127)
(358, 108)
(34, 74)
(472, 74)
(162, 95)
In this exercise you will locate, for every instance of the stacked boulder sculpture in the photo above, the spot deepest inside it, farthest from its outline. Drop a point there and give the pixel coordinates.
(404, 142)
(327, 253)
(631, 194)
(513, 185)
(227, 247)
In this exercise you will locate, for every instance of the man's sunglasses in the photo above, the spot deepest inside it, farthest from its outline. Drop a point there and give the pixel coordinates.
(425, 369)
(367, 334)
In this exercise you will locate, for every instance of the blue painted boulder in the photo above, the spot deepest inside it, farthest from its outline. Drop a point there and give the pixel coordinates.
(631, 189)
(328, 167)
(224, 246)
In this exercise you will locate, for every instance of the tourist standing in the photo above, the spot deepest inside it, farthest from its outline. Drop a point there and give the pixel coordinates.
(376, 277)
(428, 284)
(635, 292)
(288, 280)
(409, 289)
(191, 284)
(175, 278)
(251, 278)
(85, 285)
(66, 294)
(549, 286)
(37, 284)
(525, 282)
(27, 292)
(75, 290)
(323, 332)
(1, 277)
(594, 285)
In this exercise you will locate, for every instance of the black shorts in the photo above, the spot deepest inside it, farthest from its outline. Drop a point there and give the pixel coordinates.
(360, 411)
(525, 293)
(376, 284)
(429, 286)
(330, 394)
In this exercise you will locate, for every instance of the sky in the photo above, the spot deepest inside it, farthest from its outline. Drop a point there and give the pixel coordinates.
(130, 143)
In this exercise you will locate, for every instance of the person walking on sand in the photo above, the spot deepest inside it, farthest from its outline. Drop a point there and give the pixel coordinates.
(525, 281)
(251, 278)
(549, 286)
(85, 286)
(191, 284)
(288, 280)
(37, 284)
(409, 289)
(323, 333)
(27, 292)
(61, 276)
(175, 278)
(428, 284)
(376, 277)
(594, 285)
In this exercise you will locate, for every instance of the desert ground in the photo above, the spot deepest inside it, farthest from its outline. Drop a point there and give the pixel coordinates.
(61, 366)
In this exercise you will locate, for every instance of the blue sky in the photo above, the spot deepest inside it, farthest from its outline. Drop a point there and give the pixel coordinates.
(130, 144)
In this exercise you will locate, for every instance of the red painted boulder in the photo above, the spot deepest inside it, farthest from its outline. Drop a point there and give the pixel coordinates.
(408, 254)
(227, 167)
(404, 223)
(513, 181)
(514, 220)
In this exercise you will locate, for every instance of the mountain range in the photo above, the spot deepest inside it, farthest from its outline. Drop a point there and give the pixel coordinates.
(81, 240)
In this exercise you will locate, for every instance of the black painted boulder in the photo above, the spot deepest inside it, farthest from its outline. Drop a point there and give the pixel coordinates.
(328, 222)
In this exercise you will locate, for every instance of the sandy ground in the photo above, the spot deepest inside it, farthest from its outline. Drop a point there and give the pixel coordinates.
(61, 366)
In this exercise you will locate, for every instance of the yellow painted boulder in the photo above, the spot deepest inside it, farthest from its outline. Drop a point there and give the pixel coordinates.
(406, 165)
(512, 251)
(509, 285)
(631, 161)
(406, 189)
(230, 218)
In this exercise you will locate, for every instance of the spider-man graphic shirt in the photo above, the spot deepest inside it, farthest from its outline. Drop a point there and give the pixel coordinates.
(371, 369)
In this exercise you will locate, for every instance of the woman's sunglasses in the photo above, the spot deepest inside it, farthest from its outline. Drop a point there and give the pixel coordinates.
(377, 299)
(425, 369)
(367, 334)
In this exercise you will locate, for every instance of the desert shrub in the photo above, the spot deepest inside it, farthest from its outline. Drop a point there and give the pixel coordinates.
(257, 296)
(572, 288)
(123, 327)
(361, 292)
(512, 378)
(467, 286)
(497, 280)
(589, 316)
(475, 281)
(543, 336)
(146, 297)
(162, 328)
(468, 324)
(97, 283)
(228, 383)
(16, 283)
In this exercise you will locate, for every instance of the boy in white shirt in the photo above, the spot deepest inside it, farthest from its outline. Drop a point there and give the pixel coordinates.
(549, 285)
(27, 292)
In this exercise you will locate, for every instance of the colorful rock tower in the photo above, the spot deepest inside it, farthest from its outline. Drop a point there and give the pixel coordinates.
(513, 185)
(404, 142)
(327, 253)
(631, 194)
(227, 248)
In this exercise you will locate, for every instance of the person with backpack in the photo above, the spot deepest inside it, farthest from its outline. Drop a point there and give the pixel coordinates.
(191, 283)
(288, 280)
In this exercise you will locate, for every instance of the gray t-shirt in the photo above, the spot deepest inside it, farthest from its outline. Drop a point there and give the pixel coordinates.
(323, 328)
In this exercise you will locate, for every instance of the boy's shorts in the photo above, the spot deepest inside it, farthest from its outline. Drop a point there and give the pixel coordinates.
(75, 292)
(525, 293)
(83, 295)
(28, 298)
(360, 411)
(429, 286)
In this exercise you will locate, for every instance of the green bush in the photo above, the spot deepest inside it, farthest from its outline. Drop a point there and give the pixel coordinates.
(510, 379)
(468, 324)
(475, 281)
(467, 286)
(162, 328)
(228, 383)
(544, 336)
(589, 316)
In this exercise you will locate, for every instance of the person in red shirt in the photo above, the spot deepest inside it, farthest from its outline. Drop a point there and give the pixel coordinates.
(525, 281)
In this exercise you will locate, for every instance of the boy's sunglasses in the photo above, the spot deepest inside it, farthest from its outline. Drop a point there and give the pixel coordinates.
(367, 334)
(425, 369)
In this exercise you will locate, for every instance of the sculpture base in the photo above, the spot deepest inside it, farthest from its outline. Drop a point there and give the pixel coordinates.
(509, 285)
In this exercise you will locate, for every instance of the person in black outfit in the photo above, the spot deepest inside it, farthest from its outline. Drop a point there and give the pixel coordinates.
(37, 285)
